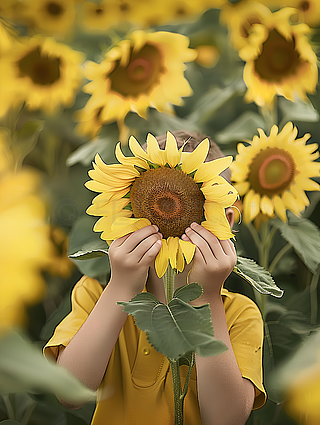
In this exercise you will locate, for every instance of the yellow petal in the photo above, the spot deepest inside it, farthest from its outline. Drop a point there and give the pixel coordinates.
(136, 149)
(109, 209)
(104, 223)
(223, 194)
(208, 170)
(290, 203)
(173, 245)
(123, 226)
(180, 259)
(156, 155)
(162, 259)
(193, 161)
(188, 250)
(216, 221)
(279, 208)
(251, 206)
(266, 205)
(171, 152)
(130, 160)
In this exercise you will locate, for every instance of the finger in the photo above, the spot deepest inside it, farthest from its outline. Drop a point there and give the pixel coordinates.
(228, 247)
(144, 246)
(152, 252)
(136, 237)
(213, 242)
(202, 245)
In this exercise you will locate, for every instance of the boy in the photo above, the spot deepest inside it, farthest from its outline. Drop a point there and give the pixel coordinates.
(102, 347)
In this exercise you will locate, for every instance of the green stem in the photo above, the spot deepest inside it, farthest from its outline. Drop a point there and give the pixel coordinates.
(278, 257)
(28, 413)
(169, 283)
(177, 393)
(314, 298)
(9, 406)
(186, 384)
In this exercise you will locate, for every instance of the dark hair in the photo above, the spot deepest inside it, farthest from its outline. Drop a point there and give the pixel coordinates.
(193, 139)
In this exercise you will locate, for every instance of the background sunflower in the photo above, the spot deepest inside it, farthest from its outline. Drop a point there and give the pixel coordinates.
(220, 73)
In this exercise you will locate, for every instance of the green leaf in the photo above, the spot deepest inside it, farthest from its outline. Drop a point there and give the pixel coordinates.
(10, 422)
(26, 139)
(298, 110)
(304, 236)
(257, 276)
(177, 328)
(23, 368)
(87, 250)
(189, 292)
(88, 254)
(243, 127)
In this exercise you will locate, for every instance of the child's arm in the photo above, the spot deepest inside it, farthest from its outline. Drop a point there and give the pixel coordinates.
(225, 397)
(87, 354)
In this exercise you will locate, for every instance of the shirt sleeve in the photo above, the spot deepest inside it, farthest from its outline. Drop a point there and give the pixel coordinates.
(245, 326)
(84, 296)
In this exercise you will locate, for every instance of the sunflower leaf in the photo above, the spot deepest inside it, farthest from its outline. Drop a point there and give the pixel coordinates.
(304, 237)
(257, 276)
(88, 255)
(178, 328)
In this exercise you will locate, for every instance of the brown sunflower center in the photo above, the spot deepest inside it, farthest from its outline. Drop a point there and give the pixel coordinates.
(168, 198)
(279, 58)
(140, 75)
(272, 171)
(54, 9)
(41, 68)
(304, 6)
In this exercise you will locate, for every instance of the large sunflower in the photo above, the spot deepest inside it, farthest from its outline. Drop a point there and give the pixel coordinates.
(169, 188)
(144, 70)
(285, 63)
(25, 246)
(273, 173)
(42, 73)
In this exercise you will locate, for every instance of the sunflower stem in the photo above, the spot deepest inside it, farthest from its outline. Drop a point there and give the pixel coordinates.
(169, 283)
(177, 392)
(278, 257)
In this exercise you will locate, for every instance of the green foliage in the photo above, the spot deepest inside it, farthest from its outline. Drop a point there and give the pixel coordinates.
(177, 328)
(23, 368)
(304, 237)
(257, 276)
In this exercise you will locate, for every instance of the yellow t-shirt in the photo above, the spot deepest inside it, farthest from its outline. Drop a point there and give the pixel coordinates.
(137, 386)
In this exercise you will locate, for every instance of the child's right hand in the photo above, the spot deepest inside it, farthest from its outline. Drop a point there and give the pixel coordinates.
(130, 259)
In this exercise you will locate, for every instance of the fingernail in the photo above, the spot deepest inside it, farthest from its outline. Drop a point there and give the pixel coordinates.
(194, 224)
(188, 229)
(156, 227)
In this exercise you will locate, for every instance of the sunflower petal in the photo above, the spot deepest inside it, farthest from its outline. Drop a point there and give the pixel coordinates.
(280, 208)
(193, 161)
(173, 245)
(251, 206)
(136, 149)
(123, 226)
(172, 155)
(104, 223)
(216, 221)
(266, 205)
(180, 259)
(188, 250)
(156, 155)
(111, 208)
(162, 259)
(130, 160)
(223, 194)
(207, 170)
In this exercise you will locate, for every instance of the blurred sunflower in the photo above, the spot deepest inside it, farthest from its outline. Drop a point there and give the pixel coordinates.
(89, 121)
(285, 64)
(309, 11)
(144, 70)
(50, 17)
(97, 16)
(168, 188)
(42, 73)
(241, 25)
(25, 247)
(273, 173)
(59, 264)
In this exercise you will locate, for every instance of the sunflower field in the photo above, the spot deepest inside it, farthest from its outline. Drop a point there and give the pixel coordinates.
(82, 85)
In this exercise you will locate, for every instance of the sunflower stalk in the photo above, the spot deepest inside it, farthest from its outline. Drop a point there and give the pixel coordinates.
(178, 393)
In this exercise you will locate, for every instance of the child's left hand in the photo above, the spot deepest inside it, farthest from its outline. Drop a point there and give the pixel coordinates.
(213, 260)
